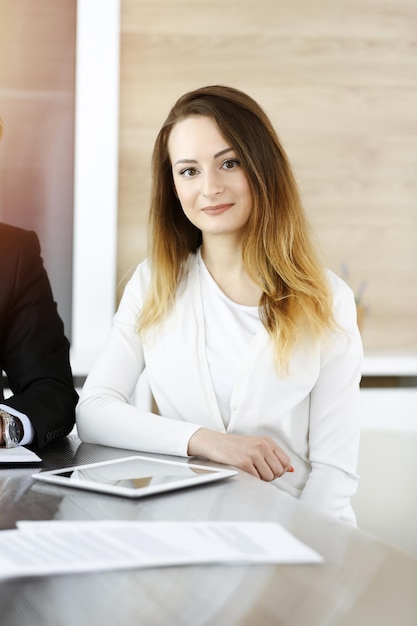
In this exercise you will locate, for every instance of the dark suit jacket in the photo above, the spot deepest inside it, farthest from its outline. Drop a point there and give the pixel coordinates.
(34, 352)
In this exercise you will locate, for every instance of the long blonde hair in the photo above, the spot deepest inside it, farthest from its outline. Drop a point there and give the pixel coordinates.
(277, 247)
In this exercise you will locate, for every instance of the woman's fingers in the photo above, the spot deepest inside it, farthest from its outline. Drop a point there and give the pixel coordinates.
(264, 458)
(271, 466)
(259, 456)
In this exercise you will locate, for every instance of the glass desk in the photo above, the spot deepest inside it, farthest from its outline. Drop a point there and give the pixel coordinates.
(362, 582)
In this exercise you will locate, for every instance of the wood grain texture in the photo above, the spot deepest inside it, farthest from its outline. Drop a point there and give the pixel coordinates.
(338, 79)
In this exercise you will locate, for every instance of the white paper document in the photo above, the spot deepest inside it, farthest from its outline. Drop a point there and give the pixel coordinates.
(19, 454)
(45, 548)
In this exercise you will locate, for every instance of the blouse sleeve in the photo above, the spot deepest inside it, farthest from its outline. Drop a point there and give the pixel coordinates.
(335, 414)
(105, 412)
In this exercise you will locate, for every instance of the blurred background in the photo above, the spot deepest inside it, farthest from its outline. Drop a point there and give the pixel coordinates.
(37, 97)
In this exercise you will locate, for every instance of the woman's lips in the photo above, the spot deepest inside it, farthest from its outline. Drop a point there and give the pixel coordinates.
(217, 209)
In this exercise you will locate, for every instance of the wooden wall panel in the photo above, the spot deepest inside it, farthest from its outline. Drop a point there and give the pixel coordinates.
(338, 79)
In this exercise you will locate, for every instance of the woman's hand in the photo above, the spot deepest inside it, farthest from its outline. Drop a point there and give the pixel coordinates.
(259, 456)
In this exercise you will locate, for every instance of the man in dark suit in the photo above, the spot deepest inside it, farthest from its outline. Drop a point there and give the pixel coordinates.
(34, 352)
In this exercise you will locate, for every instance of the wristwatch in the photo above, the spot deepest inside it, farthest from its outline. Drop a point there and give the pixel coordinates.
(12, 430)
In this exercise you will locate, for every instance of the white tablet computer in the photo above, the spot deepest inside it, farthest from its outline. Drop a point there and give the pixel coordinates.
(134, 476)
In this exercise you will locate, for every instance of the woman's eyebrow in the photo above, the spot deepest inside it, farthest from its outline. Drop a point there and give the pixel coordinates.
(223, 152)
(185, 161)
(216, 156)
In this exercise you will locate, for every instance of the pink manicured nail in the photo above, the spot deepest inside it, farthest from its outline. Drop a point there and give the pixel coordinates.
(290, 469)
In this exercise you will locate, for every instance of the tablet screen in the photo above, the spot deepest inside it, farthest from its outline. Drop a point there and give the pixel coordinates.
(134, 476)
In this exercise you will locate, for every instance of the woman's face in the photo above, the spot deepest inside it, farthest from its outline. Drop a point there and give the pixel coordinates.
(209, 181)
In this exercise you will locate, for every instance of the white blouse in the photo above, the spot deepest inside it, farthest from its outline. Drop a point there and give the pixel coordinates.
(312, 413)
(229, 329)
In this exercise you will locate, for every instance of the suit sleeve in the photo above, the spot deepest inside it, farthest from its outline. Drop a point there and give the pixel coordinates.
(36, 351)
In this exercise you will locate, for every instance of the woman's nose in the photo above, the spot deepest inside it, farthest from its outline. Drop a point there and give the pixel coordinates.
(211, 184)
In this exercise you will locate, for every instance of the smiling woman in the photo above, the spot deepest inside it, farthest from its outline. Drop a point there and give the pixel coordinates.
(208, 178)
(250, 346)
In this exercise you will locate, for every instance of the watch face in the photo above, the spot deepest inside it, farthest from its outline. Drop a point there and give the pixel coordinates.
(14, 431)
